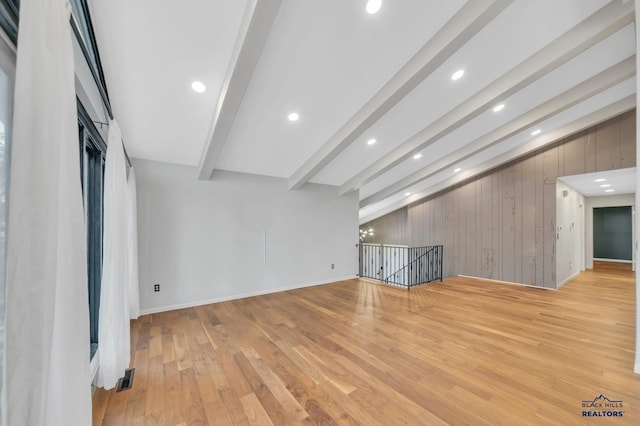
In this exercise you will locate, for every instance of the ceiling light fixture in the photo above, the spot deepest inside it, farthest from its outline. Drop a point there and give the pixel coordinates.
(600, 180)
(609, 190)
(417, 156)
(536, 132)
(371, 142)
(198, 86)
(457, 75)
(406, 194)
(457, 170)
(373, 6)
(293, 116)
(498, 108)
(606, 185)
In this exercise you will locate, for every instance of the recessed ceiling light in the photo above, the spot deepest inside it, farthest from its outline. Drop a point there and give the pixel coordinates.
(498, 108)
(370, 229)
(198, 86)
(536, 132)
(600, 180)
(373, 6)
(371, 141)
(457, 75)
(406, 194)
(609, 190)
(457, 170)
(417, 156)
(293, 116)
(606, 185)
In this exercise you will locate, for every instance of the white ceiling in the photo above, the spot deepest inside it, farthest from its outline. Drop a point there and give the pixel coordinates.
(353, 76)
(151, 52)
(621, 181)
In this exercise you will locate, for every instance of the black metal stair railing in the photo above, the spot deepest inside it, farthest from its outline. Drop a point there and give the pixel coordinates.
(410, 265)
(424, 266)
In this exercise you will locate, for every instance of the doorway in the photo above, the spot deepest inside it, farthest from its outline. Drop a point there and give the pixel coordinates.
(612, 234)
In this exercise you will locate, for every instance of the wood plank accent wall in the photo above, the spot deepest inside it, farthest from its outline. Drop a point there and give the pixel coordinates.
(389, 229)
(502, 225)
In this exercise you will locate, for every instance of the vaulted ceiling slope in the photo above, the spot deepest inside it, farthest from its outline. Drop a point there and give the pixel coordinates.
(354, 78)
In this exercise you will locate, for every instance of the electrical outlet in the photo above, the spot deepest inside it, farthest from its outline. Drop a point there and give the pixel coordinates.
(156, 287)
(333, 266)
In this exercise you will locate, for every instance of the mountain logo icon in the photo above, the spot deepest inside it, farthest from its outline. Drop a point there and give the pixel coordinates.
(600, 401)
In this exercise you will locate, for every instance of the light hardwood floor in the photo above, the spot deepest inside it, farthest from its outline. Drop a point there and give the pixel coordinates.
(463, 351)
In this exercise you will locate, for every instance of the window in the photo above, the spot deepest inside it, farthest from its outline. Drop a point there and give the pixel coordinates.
(92, 156)
(9, 18)
(82, 28)
(92, 150)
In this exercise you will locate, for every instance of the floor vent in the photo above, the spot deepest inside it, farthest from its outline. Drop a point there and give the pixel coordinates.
(126, 382)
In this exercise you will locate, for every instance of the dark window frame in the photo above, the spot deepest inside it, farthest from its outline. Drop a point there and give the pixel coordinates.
(9, 18)
(82, 28)
(92, 178)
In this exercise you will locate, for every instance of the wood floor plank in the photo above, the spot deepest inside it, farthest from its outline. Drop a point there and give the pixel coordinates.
(463, 351)
(100, 403)
(290, 405)
(254, 410)
(262, 392)
(192, 406)
(214, 409)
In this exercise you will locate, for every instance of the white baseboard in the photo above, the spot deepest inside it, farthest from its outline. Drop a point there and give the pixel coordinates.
(613, 260)
(560, 284)
(505, 282)
(158, 309)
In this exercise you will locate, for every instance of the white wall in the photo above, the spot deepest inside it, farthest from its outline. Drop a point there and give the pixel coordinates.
(606, 201)
(205, 241)
(570, 233)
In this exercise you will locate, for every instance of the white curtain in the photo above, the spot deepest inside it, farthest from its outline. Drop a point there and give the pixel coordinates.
(47, 337)
(134, 296)
(113, 323)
